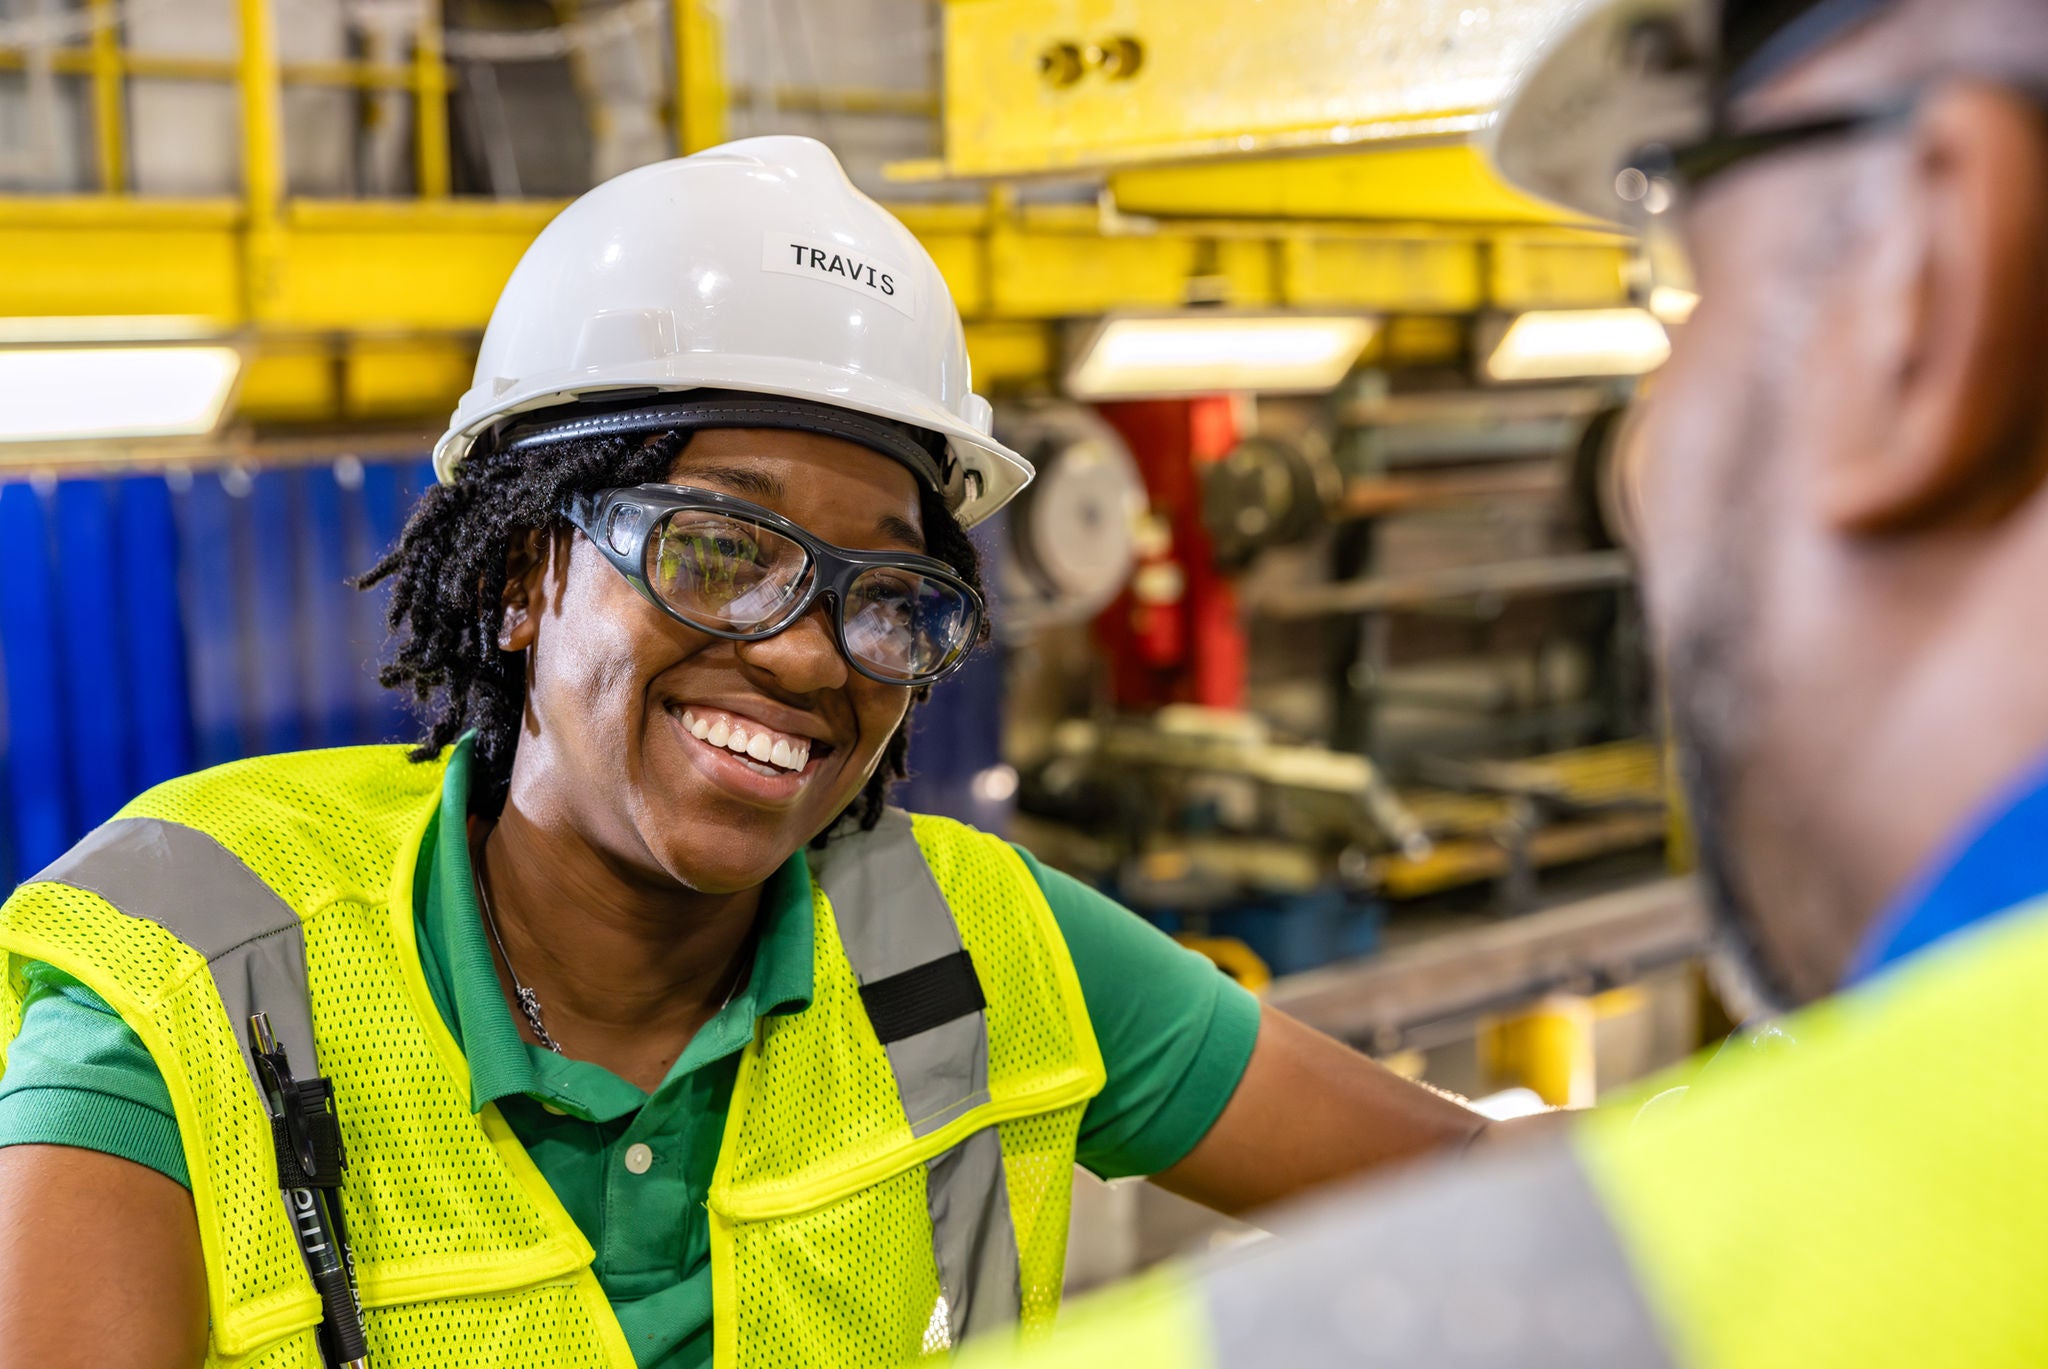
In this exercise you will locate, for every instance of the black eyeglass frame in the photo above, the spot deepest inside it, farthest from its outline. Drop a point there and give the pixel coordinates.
(833, 569)
(1693, 164)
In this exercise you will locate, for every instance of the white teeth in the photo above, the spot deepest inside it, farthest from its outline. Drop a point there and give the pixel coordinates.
(783, 753)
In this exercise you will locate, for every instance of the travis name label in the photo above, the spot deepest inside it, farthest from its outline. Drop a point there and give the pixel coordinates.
(792, 254)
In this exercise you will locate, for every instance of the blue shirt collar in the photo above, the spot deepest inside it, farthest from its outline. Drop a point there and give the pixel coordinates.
(2000, 863)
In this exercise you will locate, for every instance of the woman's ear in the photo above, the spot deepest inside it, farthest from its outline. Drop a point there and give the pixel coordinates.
(526, 589)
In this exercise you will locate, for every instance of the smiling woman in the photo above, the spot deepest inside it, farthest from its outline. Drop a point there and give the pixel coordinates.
(618, 590)
(645, 1031)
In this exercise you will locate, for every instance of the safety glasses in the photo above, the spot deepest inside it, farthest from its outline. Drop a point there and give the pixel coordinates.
(744, 573)
(1659, 180)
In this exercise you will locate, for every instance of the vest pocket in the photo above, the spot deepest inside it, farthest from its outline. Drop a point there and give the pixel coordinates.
(787, 1281)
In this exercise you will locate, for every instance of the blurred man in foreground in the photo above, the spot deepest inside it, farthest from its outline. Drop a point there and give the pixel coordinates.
(1844, 524)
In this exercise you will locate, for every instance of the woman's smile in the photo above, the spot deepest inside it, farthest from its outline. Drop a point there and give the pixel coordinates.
(746, 757)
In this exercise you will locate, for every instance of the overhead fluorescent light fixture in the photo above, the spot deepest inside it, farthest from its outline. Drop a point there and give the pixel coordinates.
(108, 328)
(1131, 356)
(1565, 344)
(64, 394)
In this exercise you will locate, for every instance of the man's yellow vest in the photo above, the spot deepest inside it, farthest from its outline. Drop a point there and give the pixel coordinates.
(897, 1161)
(1872, 1198)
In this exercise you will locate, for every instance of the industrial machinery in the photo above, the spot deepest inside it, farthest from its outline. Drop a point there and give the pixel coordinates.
(1075, 531)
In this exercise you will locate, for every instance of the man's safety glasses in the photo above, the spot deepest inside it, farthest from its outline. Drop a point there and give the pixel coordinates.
(1658, 180)
(744, 573)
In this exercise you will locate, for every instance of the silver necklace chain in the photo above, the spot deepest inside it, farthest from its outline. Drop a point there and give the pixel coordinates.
(529, 1001)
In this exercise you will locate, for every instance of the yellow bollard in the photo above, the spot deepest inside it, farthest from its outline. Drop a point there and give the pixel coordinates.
(1547, 1048)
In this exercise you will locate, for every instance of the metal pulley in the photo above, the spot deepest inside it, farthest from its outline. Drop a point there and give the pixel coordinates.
(1267, 492)
(1073, 531)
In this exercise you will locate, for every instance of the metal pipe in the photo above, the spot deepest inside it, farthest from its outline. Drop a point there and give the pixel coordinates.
(1380, 496)
(110, 137)
(700, 94)
(162, 66)
(1382, 593)
(263, 171)
(858, 100)
(430, 105)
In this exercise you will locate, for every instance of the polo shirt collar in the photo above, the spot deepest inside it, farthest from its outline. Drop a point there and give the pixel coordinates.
(1999, 864)
(459, 954)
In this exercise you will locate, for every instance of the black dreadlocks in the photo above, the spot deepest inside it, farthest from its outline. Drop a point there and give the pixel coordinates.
(447, 578)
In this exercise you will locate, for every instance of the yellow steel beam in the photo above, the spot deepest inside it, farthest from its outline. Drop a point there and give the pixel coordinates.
(430, 105)
(105, 211)
(1419, 340)
(110, 137)
(326, 379)
(1049, 85)
(1010, 353)
(1050, 274)
(1535, 273)
(1416, 271)
(292, 380)
(369, 275)
(69, 257)
(352, 267)
(1447, 183)
(698, 29)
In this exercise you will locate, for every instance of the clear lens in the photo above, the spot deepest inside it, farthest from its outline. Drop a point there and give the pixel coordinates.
(904, 625)
(1667, 283)
(724, 572)
(731, 575)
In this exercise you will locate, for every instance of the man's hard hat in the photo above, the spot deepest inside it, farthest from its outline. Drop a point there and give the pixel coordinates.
(1620, 75)
(754, 267)
(1616, 76)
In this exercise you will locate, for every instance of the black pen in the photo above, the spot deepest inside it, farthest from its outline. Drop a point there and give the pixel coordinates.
(309, 1164)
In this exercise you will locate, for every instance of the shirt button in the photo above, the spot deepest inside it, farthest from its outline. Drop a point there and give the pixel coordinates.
(551, 1110)
(639, 1159)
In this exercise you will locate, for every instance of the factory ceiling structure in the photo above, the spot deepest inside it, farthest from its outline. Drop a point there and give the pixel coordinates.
(1097, 170)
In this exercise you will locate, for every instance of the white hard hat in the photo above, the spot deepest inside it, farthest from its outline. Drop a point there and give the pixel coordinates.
(754, 267)
(1616, 76)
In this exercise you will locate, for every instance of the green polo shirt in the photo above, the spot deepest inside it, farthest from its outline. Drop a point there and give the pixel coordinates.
(1175, 1035)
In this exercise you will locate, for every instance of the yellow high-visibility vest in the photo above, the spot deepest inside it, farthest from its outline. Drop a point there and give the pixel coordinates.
(1871, 1198)
(897, 1162)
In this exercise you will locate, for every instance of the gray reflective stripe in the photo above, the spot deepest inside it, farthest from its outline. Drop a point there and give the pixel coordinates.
(1501, 1263)
(891, 918)
(201, 893)
(972, 1239)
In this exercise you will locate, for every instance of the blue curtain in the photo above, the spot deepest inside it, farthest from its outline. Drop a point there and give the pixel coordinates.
(154, 624)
